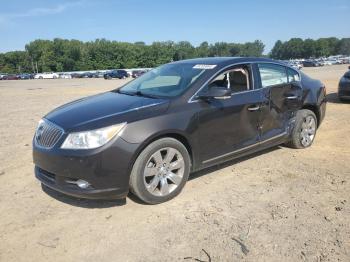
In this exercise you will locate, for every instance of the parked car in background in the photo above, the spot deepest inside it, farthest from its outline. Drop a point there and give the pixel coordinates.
(86, 75)
(65, 76)
(46, 76)
(137, 73)
(11, 77)
(25, 76)
(329, 62)
(75, 75)
(295, 65)
(311, 63)
(116, 74)
(345, 60)
(2, 76)
(344, 87)
(148, 135)
(99, 74)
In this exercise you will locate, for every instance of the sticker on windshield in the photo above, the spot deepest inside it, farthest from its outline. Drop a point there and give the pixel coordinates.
(204, 66)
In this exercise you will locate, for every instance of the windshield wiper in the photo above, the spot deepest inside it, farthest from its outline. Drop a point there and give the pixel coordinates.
(125, 93)
(139, 93)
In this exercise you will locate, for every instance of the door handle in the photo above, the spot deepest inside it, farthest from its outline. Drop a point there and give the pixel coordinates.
(292, 97)
(253, 108)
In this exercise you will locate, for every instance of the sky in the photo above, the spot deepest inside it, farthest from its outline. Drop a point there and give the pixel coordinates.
(177, 20)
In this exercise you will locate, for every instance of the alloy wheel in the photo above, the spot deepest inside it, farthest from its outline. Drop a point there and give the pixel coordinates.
(164, 171)
(308, 131)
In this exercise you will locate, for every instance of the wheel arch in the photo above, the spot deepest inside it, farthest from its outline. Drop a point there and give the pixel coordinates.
(315, 110)
(175, 135)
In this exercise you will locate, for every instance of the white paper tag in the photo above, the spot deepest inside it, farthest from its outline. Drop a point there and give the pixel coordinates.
(205, 67)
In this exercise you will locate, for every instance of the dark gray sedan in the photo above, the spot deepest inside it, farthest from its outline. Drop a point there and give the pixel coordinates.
(148, 135)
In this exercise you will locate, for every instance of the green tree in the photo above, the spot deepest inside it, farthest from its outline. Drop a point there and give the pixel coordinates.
(203, 50)
(277, 50)
(309, 49)
(255, 48)
(298, 48)
(343, 46)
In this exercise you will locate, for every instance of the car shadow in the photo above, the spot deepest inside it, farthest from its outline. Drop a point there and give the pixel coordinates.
(333, 98)
(211, 169)
(89, 203)
(84, 203)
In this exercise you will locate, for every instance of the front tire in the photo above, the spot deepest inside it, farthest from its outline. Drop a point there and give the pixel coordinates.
(160, 171)
(305, 129)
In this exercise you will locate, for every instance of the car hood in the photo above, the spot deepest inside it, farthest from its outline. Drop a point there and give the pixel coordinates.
(105, 109)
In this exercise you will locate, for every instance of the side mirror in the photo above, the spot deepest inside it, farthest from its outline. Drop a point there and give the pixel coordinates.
(216, 92)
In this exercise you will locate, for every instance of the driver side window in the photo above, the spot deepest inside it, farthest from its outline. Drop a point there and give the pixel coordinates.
(237, 79)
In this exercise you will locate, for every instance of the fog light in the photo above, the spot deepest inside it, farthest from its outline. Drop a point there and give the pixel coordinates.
(82, 184)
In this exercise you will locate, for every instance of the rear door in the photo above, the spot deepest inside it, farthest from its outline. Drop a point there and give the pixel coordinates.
(282, 96)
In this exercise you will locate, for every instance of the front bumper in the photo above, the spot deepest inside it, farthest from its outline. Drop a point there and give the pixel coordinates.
(107, 169)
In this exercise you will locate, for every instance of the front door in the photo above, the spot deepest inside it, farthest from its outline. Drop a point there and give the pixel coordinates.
(228, 125)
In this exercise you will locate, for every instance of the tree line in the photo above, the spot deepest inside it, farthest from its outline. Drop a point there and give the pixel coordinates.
(60, 55)
(310, 48)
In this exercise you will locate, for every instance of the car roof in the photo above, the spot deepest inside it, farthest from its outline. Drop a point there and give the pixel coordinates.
(226, 60)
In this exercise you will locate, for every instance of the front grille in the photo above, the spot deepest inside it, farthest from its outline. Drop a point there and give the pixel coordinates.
(47, 134)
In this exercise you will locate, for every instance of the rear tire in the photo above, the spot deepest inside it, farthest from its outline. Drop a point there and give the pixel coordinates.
(161, 171)
(304, 131)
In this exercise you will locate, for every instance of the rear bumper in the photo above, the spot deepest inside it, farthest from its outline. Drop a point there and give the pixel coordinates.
(344, 90)
(106, 169)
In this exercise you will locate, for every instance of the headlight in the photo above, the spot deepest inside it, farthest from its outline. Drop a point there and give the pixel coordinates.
(92, 139)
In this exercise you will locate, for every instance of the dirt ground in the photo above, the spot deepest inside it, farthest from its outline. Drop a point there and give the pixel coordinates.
(278, 205)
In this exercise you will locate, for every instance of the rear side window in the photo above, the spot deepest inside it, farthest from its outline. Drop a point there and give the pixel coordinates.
(272, 74)
(293, 76)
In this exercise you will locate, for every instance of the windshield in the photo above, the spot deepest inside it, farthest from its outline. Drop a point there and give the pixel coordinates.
(168, 80)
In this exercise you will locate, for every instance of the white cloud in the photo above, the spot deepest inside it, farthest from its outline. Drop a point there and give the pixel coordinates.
(341, 7)
(38, 11)
(41, 11)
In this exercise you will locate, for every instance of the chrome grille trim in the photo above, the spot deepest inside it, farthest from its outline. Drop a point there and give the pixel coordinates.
(47, 134)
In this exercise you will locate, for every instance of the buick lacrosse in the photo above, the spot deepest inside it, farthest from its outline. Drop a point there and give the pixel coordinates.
(149, 135)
